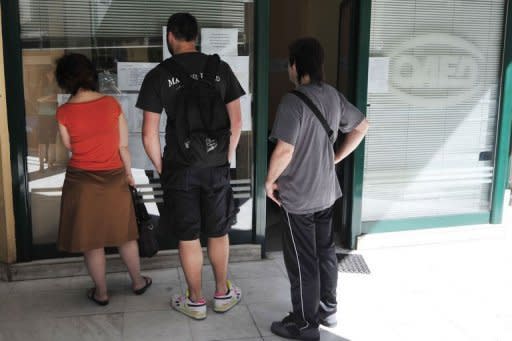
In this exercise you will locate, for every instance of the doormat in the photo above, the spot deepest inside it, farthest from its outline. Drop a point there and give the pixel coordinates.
(352, 263)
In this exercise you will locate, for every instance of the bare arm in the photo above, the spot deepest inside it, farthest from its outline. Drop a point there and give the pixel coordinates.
(124, 152)
(64, 136)
(352, 140)
(151, 139)
(235, 118)
(280, 159)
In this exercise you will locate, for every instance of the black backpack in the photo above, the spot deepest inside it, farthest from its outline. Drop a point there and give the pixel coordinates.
(202, 124)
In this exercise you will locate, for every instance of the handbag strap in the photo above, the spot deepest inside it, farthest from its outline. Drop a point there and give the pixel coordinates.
(315, 111)
(141, 213)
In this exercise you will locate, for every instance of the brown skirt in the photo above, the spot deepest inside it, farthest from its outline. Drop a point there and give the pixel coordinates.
(96, 210)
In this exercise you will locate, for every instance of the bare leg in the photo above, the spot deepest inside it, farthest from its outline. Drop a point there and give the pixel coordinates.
(218, 252)
(129, 252)
(191, 257)
(96, 264)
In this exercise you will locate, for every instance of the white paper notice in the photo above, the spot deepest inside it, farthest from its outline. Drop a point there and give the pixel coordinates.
(240, 67)
(378, 75)
(245, 103)
(140, 159)
(131, 75)
(134, 115)
(165, 49)
(223, 41)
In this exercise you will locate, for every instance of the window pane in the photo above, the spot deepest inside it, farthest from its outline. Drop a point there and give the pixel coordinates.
(433, 94)
(111, 33)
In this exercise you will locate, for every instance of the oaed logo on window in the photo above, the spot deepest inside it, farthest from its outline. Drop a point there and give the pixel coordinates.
(435, 70)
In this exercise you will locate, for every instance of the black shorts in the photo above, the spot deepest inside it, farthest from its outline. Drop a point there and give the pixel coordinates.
(198, 201)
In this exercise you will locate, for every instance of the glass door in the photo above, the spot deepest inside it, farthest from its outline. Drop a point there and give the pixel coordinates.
(433, 96)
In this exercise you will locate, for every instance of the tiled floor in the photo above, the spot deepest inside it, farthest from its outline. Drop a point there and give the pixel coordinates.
(444, 292)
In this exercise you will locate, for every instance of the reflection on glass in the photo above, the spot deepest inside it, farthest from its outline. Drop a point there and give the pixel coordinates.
(433, 90)
(116, 35)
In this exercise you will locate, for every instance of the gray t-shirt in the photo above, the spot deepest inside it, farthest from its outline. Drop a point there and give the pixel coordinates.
(309, 183)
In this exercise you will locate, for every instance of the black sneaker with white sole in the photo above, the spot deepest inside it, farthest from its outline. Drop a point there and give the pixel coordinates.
(294, 328)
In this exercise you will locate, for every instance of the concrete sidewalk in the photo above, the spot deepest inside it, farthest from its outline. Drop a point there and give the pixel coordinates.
(457, 290)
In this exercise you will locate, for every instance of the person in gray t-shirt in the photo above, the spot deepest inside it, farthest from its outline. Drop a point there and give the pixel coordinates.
(302, 180)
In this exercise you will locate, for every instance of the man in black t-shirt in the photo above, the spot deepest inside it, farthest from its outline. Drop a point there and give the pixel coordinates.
(196, 200)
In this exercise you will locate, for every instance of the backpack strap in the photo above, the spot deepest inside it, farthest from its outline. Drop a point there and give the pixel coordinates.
(211, 68)
(316, 111)
(177, 70)
(210, 71)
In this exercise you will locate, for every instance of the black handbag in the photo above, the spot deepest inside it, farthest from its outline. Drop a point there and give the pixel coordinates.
(148, 243)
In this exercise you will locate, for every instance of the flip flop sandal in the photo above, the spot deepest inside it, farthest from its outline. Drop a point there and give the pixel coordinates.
(144, 288)
(90, 295)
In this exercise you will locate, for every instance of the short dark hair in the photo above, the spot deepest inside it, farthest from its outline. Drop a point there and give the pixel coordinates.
(308, 56)
(75, 71)
(183, 26)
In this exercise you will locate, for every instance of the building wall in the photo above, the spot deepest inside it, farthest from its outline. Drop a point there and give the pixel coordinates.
(7, 239)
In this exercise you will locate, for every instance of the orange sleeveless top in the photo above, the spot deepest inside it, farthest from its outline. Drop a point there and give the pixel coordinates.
(93, 129)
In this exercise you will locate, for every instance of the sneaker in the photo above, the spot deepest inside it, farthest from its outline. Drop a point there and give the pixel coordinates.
(183, 304)
(327, 314)
(222, 303)
(292, 327)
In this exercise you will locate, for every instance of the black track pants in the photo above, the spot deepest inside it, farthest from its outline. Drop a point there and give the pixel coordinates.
(310, 259)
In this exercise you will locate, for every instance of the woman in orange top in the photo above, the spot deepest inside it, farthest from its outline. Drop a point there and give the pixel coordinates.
(96, 207)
